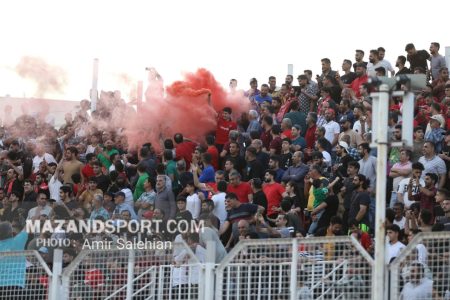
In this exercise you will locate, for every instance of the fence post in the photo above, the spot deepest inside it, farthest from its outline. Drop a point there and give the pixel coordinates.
(293, 281)
(54, 290)
(130, 274)
(210, 262)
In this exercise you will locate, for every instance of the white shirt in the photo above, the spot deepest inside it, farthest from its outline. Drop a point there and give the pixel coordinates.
(400, 223)
(54, 185)
(357, 126)
(422, 291)
(393, 250)
(128, 196)
(403, 189)
(331, 128)
(193, 205)
(219, 207)
(38, 159)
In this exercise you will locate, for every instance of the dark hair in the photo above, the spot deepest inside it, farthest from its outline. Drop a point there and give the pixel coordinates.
(6, 231)
(393, 227)
(268, 120)
(168, 154)
(181, 198)
(66, 189)
(426, 216)
(326, 60)
(360, 51)
(437, 45)
(76, 178)
(231, 196)
(257, 183)
(90, 156)
(336, 220)
(365, 181)
(227, 109)
(141, 166)
(317, 183)
(276, 129)
(348, 61)
(210, 139)
(433, 177)
(402, 59)
(374, 51)
(207, 158)
(409, 46)
(222, 186)
(445, 192)
(365, 146)
(382, 70)
(273, 173)
(294, 105)
(178, 138)
(390, 215)
(417, 166)
(168, 144)
(73, 150)
(381, 49)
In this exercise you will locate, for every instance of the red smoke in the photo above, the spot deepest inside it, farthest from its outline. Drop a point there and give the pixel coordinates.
(185, 109)
(48, 78)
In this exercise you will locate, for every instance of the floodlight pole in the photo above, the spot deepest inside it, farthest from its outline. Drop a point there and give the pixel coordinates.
(94, 92)
(381, 140)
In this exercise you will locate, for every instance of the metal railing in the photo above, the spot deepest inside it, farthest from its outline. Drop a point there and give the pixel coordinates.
(24, 275)
(422, 270)
(313, 268)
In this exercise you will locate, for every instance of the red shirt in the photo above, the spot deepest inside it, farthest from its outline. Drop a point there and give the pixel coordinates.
(214, 156)
(87, 171)
(310, 137)
(276, 145)
(287, 134)
(274, 194)
(223, 130)
(357, 83)
(242, 190)
(184, 151)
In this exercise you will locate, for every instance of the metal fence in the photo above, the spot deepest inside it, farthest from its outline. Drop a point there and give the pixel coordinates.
(315, 268)
(168, 273)
(24, 275)
(422, 270)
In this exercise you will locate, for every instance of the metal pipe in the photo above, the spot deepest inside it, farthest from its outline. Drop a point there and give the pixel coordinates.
(94, 92)
(378, 286)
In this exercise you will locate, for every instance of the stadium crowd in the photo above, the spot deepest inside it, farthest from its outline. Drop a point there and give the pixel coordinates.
(298, 164)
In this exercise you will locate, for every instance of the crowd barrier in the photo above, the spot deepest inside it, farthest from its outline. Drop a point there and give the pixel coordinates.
(312, 268)
(422, 270)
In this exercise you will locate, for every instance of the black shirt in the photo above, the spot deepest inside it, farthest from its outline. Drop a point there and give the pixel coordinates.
(254, 169)
(419, 60)
(359, 198)
(285, 160)
(103, 182)
(259, 198)
(348, 78)
(332, 202)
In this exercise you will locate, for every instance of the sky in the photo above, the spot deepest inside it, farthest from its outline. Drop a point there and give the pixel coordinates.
(232, 39)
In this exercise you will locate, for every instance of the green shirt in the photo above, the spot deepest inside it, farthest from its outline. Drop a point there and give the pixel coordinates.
(106, 162)
(171, 168)
(139, 189)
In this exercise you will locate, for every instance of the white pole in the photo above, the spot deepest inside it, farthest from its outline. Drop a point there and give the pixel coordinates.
(378, 286)
(130, 274)
(209, 284)
(447, 56)
(54, 292)
(291, 69)
(94, 92)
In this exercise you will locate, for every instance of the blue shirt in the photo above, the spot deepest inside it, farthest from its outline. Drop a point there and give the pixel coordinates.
(260, 99)
(12, 268)
(207, 175)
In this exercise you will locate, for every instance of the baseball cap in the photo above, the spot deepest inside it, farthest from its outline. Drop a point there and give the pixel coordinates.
(43, 250)
(344, 145)
(119, 194)
(437, 118)
(343, 119)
